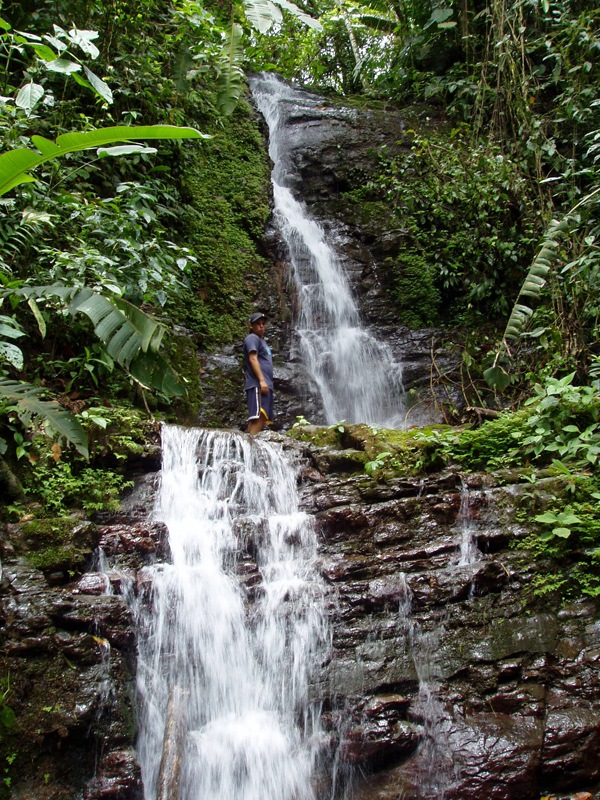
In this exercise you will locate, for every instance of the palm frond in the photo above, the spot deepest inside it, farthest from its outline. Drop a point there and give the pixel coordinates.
(25, 398)
(536, 277)
(125, 329)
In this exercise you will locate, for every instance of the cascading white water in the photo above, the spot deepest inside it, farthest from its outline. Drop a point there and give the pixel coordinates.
(242, 667)
(469, 552)
(356, 376)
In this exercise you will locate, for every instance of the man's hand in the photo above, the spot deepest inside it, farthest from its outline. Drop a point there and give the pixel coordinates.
(264, 389)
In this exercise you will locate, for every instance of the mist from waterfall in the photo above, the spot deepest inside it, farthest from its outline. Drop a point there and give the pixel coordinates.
(355, 374)
(240, 659)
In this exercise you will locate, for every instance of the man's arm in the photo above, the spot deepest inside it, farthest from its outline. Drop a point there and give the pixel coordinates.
(253, 359)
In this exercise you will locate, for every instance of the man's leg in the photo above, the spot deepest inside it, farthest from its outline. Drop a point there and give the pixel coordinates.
(256, 425)
(263, 404)
(256, 419)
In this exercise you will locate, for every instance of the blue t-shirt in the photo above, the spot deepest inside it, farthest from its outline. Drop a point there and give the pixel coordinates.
(253, 343)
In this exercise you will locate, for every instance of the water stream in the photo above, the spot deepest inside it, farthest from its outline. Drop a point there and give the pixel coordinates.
(354, 373)
(469, 552)
(239, 660)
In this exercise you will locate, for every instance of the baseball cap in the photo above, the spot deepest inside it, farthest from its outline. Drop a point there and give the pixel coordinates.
(256, 316)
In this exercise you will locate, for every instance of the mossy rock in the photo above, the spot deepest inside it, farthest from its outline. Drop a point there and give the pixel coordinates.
(227, 188)
(347, 461)
(409, 452)
(58, 543)
(317, 435)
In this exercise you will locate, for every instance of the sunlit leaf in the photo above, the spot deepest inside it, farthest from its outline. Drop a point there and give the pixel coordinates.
(100, 87)
(63, 65)
(29, 96)
(125, 150)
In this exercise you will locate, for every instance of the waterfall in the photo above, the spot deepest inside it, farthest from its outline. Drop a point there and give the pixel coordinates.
(239, 659)
(356, 375)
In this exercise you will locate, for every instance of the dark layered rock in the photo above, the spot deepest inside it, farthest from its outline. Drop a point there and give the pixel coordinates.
(68, 663)
(450, 679)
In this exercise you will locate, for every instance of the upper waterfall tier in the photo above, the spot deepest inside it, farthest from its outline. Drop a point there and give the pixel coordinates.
(356, 376)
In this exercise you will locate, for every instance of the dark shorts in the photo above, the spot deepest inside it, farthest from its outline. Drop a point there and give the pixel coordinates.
(260, 404)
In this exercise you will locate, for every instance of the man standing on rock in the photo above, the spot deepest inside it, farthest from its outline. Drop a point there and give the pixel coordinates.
(258, 370)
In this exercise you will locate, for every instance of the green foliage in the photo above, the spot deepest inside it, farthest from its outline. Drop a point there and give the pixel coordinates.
(60, 488)
(301, 421)
(564, 421)
(383, 459)
(557, 523)
(466, 215)
(568, 535)
(232, 80)
(7, 715)
(559, 425)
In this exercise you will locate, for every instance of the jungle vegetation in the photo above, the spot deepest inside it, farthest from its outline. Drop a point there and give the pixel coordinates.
(104, 250)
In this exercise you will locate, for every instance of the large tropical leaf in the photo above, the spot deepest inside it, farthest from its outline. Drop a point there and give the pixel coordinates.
(299, 14)
(25, 397)
(261, 14)
(231, 80)
(15, 165)
(126, 331)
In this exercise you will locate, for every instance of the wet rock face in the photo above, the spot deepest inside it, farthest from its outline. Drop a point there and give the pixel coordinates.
(68, 654)
(446, 678)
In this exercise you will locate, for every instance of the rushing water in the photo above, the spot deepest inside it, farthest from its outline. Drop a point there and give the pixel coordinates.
(356, 376)
(241, 667)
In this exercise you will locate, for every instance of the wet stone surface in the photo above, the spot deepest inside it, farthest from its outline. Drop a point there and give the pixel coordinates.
(498, 688)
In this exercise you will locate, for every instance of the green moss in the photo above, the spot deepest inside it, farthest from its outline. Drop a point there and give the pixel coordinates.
(405, 452)
(227, 188)
(57, 543)
(412, 287)
(494, 443)
(62, 557)
(183, 352)
(315, 434)
(42, 532)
